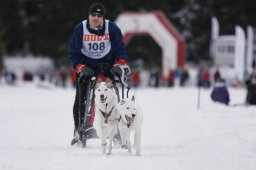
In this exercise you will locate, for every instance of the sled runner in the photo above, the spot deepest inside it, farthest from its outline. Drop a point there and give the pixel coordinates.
(85, 129)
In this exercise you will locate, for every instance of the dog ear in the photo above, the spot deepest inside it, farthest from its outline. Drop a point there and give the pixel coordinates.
(108, 80)
(109, 83)
(99, 80)
(97, 85)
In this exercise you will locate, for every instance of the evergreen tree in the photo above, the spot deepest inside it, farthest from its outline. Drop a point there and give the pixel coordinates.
(43, 27)
(12, 23)
(1, 47)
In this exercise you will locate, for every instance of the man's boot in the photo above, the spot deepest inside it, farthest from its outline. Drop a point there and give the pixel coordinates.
(76, 137)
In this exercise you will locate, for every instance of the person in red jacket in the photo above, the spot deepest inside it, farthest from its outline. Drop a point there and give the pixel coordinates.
(95, 48)
(206, 78)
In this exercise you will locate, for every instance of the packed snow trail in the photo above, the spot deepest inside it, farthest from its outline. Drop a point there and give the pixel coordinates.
(36, 127)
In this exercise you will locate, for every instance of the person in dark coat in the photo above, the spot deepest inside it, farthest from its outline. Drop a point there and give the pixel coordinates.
(220, 92)
(95, 48)
(217, 75)
(251, 90)
(184, 77)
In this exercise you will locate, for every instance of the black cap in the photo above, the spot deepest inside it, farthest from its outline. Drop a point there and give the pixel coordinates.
(97, 8)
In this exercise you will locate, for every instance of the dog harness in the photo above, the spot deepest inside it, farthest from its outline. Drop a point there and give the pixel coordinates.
(106, 115)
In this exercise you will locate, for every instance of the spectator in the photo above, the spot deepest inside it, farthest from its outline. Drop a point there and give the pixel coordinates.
(220, 92)
(184, 77)
(206, 78)
(10, 77)
(217, 75)
(251, 90)
(144, 78)
(157, 77)
(135, 79)
(170, 78)
(41, 76)
(27, 76)
(63, 78)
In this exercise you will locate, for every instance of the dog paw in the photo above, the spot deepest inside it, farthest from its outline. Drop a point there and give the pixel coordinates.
(104, 144)
(124, 146)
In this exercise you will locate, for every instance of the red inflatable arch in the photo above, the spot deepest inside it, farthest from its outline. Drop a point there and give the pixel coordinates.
(161, 30)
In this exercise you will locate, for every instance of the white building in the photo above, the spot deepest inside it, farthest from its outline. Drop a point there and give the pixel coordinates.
(32, 64)
(234, 51)
(225, 50)
(157, 25)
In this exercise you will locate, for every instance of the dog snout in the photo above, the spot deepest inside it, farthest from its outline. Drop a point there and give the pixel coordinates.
(133, 115)
(102, 96)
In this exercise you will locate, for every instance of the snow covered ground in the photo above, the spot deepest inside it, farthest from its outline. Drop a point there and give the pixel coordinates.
(36, 127)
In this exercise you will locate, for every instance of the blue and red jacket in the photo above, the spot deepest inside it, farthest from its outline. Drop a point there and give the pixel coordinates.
(116, 53)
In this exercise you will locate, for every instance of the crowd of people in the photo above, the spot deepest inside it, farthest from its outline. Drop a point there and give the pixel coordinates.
(60, 78)
(154, 78)
(147, 78)
(220, 90)
(178, 77)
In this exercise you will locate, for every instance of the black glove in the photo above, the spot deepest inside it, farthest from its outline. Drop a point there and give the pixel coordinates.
(121, 70)
(116, 70)
(86, 72)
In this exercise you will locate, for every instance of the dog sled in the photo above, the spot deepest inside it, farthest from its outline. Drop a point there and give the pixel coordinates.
(85, 129)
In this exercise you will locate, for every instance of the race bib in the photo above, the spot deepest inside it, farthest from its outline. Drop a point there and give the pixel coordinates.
(95, 46)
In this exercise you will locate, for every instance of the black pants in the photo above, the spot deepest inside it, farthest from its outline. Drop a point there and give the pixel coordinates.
(76, 103)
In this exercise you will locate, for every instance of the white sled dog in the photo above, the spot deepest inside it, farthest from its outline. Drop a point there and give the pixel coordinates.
(106, 117)
(131, 121)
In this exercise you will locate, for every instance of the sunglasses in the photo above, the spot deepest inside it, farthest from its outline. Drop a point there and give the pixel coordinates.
(96, 14)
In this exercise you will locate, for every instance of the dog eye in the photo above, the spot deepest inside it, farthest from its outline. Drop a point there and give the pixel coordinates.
(98, 89)
(127, 108)
(106, 89)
